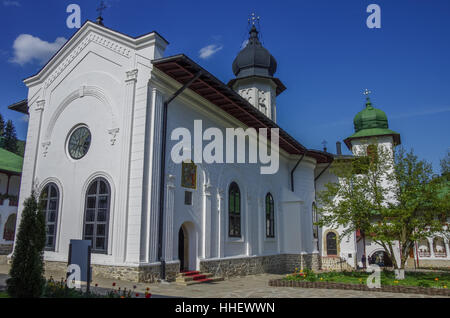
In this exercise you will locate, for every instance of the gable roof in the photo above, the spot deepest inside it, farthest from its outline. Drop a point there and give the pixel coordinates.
(10, 162)
(182, 69)
(130, 40)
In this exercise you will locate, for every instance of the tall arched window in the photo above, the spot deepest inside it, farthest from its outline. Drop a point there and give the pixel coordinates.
(96, 216)
(270, 217)
(234, 210)
(331, 244)
(50, 204)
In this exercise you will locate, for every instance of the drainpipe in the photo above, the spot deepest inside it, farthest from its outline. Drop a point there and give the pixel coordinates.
(163, 173)
(293, 170)
(320, 174)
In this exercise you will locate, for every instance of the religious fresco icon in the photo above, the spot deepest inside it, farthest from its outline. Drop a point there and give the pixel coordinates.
(189, 175)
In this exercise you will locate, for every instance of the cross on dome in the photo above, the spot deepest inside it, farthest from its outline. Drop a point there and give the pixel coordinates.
(253, 19)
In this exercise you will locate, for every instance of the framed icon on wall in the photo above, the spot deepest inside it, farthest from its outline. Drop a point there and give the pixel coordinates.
(189, 175)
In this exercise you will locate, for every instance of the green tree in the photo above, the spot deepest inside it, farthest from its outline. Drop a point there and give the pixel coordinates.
(10, 137)
(390, 196)
(27, 269)
(2, 125)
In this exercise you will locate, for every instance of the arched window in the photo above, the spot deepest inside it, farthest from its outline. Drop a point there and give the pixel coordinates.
(270, 220)
(439, 247)
(331, 244)
(50, 203)
(315, 219)
(96, 216)
(10, 228)
(234, 211)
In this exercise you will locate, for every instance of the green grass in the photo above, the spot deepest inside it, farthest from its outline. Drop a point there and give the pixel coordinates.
(434, 280)
(4, 295)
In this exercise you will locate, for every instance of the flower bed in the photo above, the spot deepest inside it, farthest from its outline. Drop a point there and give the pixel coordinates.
(417, 283)
(387, 289)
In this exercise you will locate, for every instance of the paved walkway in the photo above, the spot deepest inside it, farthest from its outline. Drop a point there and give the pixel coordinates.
(253, 286)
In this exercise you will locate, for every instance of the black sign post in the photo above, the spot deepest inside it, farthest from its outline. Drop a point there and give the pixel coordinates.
(80, 254)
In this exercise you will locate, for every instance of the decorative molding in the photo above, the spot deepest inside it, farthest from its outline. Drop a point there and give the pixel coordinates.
(92, 91)
(207, 189)
(171, 181)
(132, 75)
(40, 105)
(113, 132)
(95, 38)
(46, 145)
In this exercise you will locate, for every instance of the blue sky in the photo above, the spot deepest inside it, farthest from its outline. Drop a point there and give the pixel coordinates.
(326, 57)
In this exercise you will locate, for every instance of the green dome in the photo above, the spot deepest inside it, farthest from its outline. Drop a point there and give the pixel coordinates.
(370, 118)
(371, 122)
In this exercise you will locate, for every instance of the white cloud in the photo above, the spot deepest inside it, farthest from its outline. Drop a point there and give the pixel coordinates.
(24, 118)
(28, 48)
(244, 44)
(209, 50)
(9, 3)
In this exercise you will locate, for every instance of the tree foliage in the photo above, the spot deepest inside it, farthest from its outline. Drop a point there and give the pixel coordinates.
(390, 196)
(27, 269)
(10, 137)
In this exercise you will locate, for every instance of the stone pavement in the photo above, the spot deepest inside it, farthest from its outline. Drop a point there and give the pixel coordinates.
(253, 286)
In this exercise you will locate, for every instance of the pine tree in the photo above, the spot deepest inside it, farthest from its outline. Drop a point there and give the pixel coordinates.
(2, 130)
(2, 126)
(10, 138)
(27, 269)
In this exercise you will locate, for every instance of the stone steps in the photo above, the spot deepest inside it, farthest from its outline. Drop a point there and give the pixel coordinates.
(196, 277)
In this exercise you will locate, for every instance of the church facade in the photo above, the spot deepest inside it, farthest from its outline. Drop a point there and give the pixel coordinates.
(101, 116)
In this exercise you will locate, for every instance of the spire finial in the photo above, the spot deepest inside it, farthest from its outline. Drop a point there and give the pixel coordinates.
(367, 92)
(102, 7)
(253, 19)
(324, 143)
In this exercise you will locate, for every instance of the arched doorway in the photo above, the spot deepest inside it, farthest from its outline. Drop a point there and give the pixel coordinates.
(380, 258)
(183, 249)
(331, 240)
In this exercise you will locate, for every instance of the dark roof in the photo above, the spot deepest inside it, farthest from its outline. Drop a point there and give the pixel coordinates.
(182, 69)
(254, 59)
(21, 107)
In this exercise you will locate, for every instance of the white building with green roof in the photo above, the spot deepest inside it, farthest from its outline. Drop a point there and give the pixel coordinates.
(10, 175)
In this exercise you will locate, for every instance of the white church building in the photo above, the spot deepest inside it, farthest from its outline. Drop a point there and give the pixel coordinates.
(98, 152)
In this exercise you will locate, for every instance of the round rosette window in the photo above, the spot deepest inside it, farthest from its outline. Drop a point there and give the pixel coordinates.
(79, 142)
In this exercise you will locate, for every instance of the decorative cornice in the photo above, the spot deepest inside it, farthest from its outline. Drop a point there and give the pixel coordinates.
(95, 38)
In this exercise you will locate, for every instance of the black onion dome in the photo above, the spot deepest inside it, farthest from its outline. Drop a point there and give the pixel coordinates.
(254, 59)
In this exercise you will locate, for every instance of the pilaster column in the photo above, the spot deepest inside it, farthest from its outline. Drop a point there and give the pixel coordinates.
(29, 180)
(168, 223)
(120, 239)
(152, 173)
(247, 225)
(447, 248)
(221, 231)
(206, 253)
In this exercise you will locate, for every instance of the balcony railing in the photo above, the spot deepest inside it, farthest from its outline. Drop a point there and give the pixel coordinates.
(424, 254)
(440, 254)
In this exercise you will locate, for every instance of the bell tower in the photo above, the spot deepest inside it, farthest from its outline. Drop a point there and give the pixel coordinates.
(254, 68)
(371, 127)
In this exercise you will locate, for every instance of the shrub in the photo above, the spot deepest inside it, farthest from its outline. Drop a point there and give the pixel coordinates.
(27, 268)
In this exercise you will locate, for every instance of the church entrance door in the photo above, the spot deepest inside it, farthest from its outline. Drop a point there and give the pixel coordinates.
(183, 249)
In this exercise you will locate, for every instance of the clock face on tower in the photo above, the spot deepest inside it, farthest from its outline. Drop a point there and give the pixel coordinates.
(79, 143)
